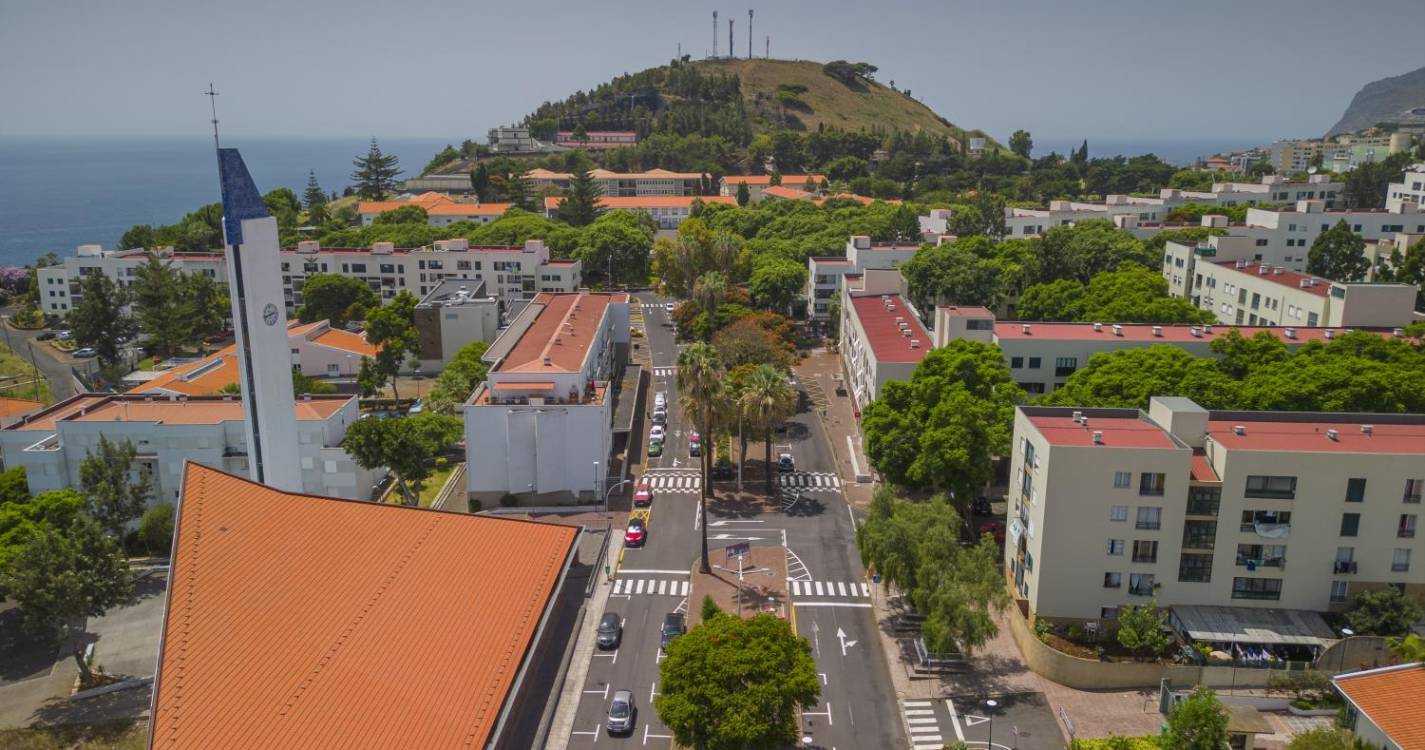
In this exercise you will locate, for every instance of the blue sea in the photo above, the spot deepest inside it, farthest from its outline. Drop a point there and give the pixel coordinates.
(57, 193)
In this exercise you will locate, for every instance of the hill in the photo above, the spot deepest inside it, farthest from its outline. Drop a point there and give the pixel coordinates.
(1386, 100)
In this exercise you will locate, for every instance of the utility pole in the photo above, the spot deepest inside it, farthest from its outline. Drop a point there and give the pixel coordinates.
(767, 49)
(749, 33)
(714, 47)
(730, 52)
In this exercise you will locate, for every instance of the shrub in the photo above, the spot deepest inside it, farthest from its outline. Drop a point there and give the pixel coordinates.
(474, 505)
(509, 500)
(156, 529)
(441, 462)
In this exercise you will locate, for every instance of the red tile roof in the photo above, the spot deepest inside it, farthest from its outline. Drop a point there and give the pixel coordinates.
(300, 621)
(786, 193)
(1311, 437)
(1391, 698)
(766, 179)
(1202, 470)
(1144, 332)
(1285, 277)
(614, 203)
(1118, 432)
(563, 331)
(883, 333)
(11, 407)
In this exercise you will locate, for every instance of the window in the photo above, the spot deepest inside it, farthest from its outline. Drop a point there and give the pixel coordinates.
(1261, 555)
(1112, 580)
(1034, 363)
(1108, 613)
(1355, 490)
(1203, 501)
(1412, 490)
(1150, 483)
(1145, 551)
(1115, 546)
(1257, 588)
(1122, 479)
(1406, 528)
(333, 368)
(1140, 584)
(1118, 513)
(1149, 517)
(1350, 524)
(1272, 487)
(1016, 362)
(980, 325)
(358, 268)
(1028, 452)
(1195, 568)
(1199, 534)
(1252, 518)
(1065, 365)
(1400, 561)
(1338, 591)
(307, 462)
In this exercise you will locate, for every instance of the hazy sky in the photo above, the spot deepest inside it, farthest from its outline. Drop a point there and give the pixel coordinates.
(1139, 69)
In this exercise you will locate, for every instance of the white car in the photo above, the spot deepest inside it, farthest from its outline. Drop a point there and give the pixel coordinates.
(657, 433)
(660, 401)
(669, 306)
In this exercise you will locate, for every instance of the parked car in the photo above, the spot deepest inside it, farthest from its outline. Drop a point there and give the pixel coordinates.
(657, 433)
(46, 336)
(660, 401)
(785, 463)
(673, 626)
(218, 338)
(670, 306)
(695, 448)
(660, 418)
(694, 436)
(655, 448)
(610, 630)
(86, 352)
(982, 506)
(643, 493)
(621, 713)
(993, 527)
(636, 533)
(64, 335)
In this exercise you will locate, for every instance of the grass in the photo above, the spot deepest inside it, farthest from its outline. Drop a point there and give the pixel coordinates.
(120, 735)
(12, 365)
(429, 490)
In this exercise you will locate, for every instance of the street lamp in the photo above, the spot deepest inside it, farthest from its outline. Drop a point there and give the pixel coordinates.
(990, 706)
(596, 487)
(610, 491)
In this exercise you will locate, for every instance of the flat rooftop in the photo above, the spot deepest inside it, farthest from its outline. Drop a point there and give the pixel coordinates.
(1266, 434)
(615, 202)
(883, 331)
(559, 338)
(1278, 275)
(1014, 330)
(1116, 432)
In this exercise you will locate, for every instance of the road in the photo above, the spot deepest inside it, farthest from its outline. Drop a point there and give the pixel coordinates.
(829, 592)
(61, 380)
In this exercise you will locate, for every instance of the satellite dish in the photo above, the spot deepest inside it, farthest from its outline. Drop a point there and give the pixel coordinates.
(1311, 170)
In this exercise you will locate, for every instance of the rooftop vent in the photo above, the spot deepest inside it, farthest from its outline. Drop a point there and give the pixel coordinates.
(1117, 329)
(1097, 437)
(1263, 270)
(1304, 283)
(1397, 332)
(1241, 264)
(915, 343)
(1077, 416)
(1333, 436)
(1097, 327)
(1157, 330)
(1084, 420)
(1239, 429)
(1290, 333)
(1207, 328)
(1368, 429)
(1196, 332)
(1026, 329)
(548, 362)
(1329, 334)
(1278, 271)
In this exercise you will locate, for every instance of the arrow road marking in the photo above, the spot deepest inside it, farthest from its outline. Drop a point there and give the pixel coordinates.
(730, 537)
(971, 720)
(724, 523)
(845, 644)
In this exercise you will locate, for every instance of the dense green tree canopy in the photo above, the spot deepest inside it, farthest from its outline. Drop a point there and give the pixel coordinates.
(1338, 254)
(328, 296)
(463, 372)
(1132, 294)
(1199, 722)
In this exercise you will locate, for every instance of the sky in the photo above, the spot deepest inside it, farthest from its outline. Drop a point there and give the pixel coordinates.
(1145, 69)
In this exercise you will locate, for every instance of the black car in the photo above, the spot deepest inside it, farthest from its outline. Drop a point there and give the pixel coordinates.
(610, 630)
(982, 506)
(673, 626)
(721, 471)
(46, 336)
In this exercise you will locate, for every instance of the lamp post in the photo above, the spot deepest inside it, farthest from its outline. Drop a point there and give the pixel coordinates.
(990, 706)
(1341, 663)
(611, 491)
(596, 487)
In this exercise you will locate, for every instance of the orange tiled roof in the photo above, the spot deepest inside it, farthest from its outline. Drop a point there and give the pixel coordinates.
(11, 407)
(563, 331)
(336, 338)
(45, 420)
(383, 626)
(786, 193)
(1391, 697)
(766, 179)
(435, 204)
(212, 373)
(647, 201)
(198, 410)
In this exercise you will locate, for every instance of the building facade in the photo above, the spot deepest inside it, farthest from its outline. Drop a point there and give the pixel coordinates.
(654, 182)
(667, 211)
(441, 210)
(1282, 510)
(455, 314)
(1410, 189)
(825, 275)
(756, 183)
(881, 337)
(61, 285)
(599, 140)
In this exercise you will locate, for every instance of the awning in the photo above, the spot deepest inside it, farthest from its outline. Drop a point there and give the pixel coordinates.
(1250, 625)
(540, 386)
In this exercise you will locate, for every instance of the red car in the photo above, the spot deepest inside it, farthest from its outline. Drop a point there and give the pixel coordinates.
(636, 534)
(643, 494)
(992, 527)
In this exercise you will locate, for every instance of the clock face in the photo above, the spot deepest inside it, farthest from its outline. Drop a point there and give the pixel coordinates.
(269, 314)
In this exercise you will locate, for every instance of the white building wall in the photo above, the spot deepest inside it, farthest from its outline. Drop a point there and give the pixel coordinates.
(538, 449)
(1410, 189)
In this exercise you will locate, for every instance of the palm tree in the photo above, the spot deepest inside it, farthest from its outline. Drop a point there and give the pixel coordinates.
(709, 291)
(700, 386)
(767, 400)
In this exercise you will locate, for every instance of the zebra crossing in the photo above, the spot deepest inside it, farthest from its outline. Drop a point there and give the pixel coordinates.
(675, 481)
(810, 480)
(842, 589)
(665, 372)
(649, 587)
(921, 725)
(651, 306)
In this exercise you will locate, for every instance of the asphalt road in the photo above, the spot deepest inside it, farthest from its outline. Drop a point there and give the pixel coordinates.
(1021, 721)
(831, 603)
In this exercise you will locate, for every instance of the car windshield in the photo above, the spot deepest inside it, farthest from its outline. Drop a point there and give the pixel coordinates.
(619, 710)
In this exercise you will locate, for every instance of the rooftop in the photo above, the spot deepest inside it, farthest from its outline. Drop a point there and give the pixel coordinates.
(766, 179)
(884, 334)
(614, 202)
(1115, 432)
(13, 407)
(971, 311)
(786, 193)
(604, 174)
(360, 649)
(1269, 431)
(561, 335)
(1390, 697)
(1279, 275)
(209, 410)
(1005, 330)
(210, 374)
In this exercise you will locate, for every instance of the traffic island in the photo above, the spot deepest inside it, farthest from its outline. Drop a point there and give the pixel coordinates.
(763, 582)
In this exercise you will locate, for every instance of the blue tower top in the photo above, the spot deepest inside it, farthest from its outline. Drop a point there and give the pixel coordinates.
(240, 197)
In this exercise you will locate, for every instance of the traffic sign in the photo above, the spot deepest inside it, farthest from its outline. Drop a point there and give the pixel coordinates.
(733, 551)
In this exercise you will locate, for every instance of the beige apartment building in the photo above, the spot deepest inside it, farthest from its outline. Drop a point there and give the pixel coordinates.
(882, 338)
(621, 184)
(1193, 508)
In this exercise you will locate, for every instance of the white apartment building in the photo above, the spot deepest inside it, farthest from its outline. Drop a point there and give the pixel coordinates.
(756, 183)
(1410, 189)
(1042, 355)
(513, 274)
(825, 274)
(598, 140)
(934, 225)
(653, 182)
(541, 424)
(455, 313)
(441, 210)
(167, 431)
(1382, 251)
(317, 351)
(1220, 277)
(667, 211)
(881, 335)
(1198, 508)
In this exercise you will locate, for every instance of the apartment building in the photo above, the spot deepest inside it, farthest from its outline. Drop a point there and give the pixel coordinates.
(1382, 252)
(825, 274)
(1042, 355)
(654, 182)
(540, 425)
(758, 183)
(882, 338)
(1410, 189)
(1198, 508)
(1294, 157)
(667, 211)
(455, 313)
(441, 209)
(168, 431)
(60, 285)
(1221, 276)
(598, 140)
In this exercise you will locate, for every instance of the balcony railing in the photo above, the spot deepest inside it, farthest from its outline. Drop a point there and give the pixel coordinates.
(1406, 533)
(1398, 567)
(1344, 566)
(1148, 525)
(1266, 595)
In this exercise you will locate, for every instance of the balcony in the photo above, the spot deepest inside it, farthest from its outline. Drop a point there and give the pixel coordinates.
(1344, 567)
(1148, 525)
(1262, 595)
(1406, 533)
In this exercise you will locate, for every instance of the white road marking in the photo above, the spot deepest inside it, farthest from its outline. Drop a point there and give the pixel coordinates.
(639, 588)
(855, 605)
(662, 587)
(818, 588)
(650, 572)
(865, 589)
(840, 588)
(955, 720)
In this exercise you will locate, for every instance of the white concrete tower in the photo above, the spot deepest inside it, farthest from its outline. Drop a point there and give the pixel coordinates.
(260, 323)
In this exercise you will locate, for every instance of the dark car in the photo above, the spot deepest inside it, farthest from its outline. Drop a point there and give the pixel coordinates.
(46, 336)
(673, 626)
(982, 506)
(636, 534)
(994, 528)
(695, 448)
(785, 463)
(610, 630)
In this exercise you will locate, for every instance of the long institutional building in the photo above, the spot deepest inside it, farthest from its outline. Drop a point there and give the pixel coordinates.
(1190, 507)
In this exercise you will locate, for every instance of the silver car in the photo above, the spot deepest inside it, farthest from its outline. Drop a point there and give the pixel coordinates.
(622, 713)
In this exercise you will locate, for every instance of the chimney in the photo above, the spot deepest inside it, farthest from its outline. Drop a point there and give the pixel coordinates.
(1084, 420)
(1158, 331)
(1097, 327)
(1207, 329)
(915, 343)
(1290, 333)
(1397, 332)
(1239, 429)
(1330, 334)
(1333, 436)
(1305, 283)
(1196, 332)
(1077, 416)
(1367, 429)
(1263, 270)
(548, 362)
(1278, 271)
(1097, 437)
(1026, 329)
(1117, 329)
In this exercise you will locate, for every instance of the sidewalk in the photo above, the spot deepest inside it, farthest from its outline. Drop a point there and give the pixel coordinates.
(817, 372)
(584, 646)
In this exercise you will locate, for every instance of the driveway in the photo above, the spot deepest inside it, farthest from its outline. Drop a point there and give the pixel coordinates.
(51, 363)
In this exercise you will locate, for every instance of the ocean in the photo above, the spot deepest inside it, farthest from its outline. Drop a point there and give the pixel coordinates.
(57, 193)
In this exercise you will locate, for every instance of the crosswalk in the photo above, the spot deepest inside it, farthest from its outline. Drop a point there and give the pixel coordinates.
(842, 589)
(649, 587)
(921, 725)
(650, 306)
(810, 480)
(665, 372)
(675, 481)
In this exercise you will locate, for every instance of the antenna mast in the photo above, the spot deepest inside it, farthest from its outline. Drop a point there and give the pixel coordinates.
(730, 52)
(213, 105)
(713, 53)
(767, 50)
(749, 33)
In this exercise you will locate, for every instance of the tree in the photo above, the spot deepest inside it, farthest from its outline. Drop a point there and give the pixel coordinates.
(480, 182)
(375, 174)
(158, 304)
(1131, 294)
(402, 215)
(518, 192)
(392, 330)
(60, 578)
(581, 206)
(314, 199)
(139, 236)
(709, 609)
(767, 399)
(731, 683)
(616, 243)
(404, 445)
(206, 306)
(22, 516)
(1338, 254)
(1411, 648)
(327, 296)
(776, 282)
(462, 374)
(1140, 628)
(99, 320)
(748, 342)
(1383, 611)
(113, 496)
(1198, 722)
(700, 381)
(1021, 143)
(156, 529)
(1323, 738)
(743, 195)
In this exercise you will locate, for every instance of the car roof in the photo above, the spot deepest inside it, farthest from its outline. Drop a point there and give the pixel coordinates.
(625, 696)
(673, 617)
(610, 617)
(635, 521)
